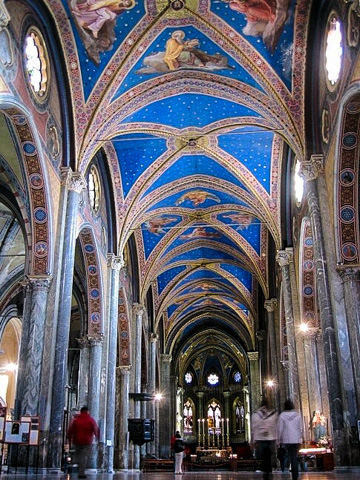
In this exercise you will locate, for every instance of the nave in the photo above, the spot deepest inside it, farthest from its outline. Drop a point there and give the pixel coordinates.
(136, 475)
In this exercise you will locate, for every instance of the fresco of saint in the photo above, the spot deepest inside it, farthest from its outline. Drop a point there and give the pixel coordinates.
(96, 21)
(265, 18)
(156, 225)
(197, 197)
(181, 53)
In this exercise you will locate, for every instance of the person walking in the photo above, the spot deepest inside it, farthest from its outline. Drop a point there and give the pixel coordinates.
(81, 433)
(290, 434)
(179, 448)
(264, 430)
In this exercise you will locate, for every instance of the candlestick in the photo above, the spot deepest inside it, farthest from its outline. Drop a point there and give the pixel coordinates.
(222, 433)
(227, 428)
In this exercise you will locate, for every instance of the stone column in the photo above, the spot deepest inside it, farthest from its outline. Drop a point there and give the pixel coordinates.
(73, 183)
(270, 306)
(351, 280)
(114, 265)
(152, 387)
(124, 372)
(284, 257)
(310, 171)
(255, 383)
(138, 311)
(84, 369)
(33, 343)
(96, 342)
(312, 374)
(165, 425)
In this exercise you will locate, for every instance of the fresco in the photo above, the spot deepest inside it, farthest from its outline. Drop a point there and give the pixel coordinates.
(96, 22)
(182, 53)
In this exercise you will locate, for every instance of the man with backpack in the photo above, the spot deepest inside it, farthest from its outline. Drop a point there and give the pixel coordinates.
(264, 433)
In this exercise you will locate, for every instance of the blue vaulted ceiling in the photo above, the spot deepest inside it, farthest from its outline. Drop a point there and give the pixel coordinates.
(196, 100)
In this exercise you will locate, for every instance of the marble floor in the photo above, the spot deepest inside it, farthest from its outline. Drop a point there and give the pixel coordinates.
(135, 475)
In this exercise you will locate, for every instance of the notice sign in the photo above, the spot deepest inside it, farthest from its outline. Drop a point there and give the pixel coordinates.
(2, 422)
(34, 429)
(17, 432)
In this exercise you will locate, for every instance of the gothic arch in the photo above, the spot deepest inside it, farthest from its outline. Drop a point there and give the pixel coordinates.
(307, 283)
(346, 183)
(93, 279)
(40, 230)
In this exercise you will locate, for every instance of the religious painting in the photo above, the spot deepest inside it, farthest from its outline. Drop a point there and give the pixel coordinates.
(156, 225)
(199, 232)
(197, 197)
(241, 220)
(96, 20)
(182, 53)
(264, 18)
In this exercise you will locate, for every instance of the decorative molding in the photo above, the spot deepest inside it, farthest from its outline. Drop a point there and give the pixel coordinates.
(4, 15)
(355, 6)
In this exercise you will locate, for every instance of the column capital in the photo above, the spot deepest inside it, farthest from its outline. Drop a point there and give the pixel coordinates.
(115, 262)
(154, 337)
(38, 282)
(83, 342)
(200, 393)
(138, 309)
(253, 356)
(226, 393)
(312, 168)
(270, 305)
(285, 257)
(166, 357)
(123, 369)
(95, 339)
(72, 180)
(349, 273)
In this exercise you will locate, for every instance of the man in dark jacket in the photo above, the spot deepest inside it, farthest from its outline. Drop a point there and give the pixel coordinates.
(81, 432)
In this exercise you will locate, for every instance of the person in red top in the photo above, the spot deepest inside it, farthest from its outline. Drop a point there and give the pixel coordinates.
(81, 433)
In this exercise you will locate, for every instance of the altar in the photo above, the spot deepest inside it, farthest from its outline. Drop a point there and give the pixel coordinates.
(215, 452)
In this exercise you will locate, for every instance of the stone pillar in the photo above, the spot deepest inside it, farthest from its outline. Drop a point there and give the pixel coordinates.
(32, 344)
(270, 306)
(255, 384)
(310, 171)
(312, 375)
(284, 257)
(351, 280)
(124, 372)
(84, 369)
(114, 265)
(96, 342)
(138, 311)
(73, 183)
(152, 387)
(165, 425)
